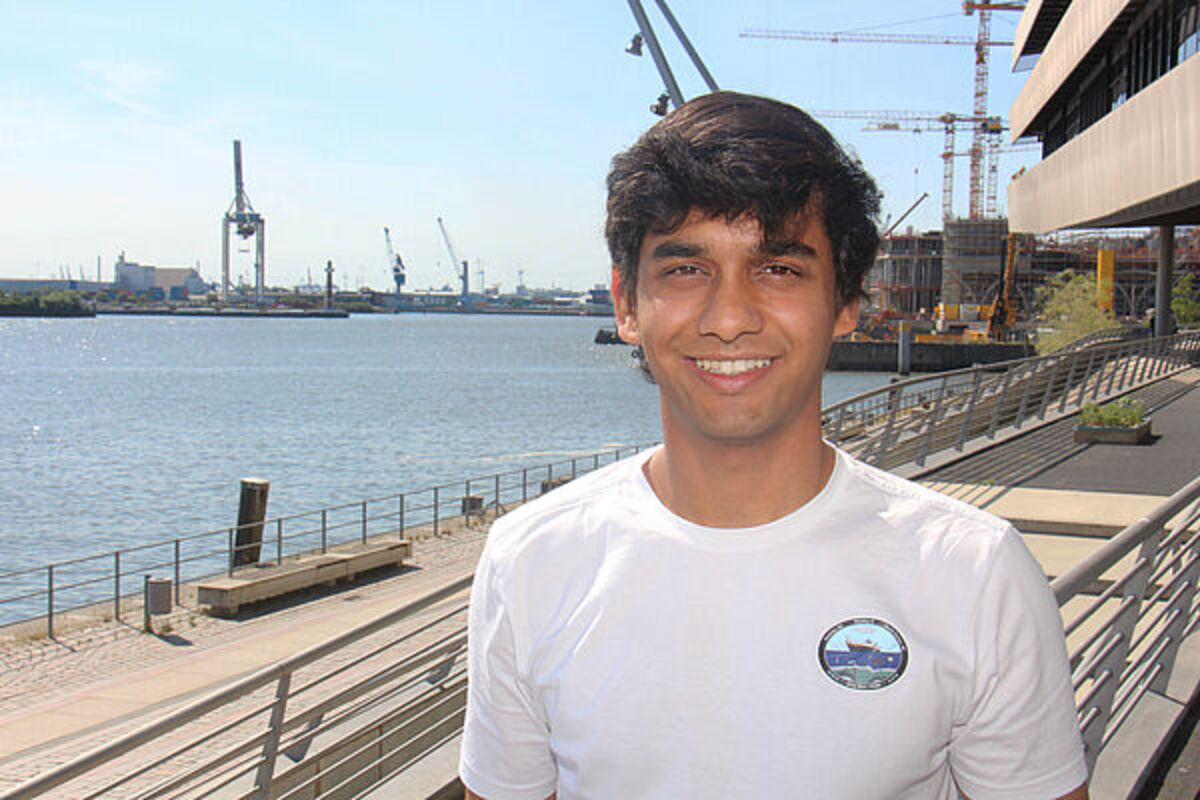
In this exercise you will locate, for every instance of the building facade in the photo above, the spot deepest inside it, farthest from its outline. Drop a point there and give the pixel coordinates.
(1113, 98)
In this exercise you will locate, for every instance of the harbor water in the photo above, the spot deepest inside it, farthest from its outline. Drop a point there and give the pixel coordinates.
(125, 430)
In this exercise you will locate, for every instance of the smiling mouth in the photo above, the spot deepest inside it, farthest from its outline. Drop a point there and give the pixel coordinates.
(731, 366)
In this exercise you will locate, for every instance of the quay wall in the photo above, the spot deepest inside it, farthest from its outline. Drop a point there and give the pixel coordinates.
(926, 356)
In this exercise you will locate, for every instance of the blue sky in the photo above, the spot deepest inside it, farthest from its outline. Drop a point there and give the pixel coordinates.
(500, 117)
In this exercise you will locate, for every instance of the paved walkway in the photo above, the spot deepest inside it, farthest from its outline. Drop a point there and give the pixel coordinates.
(58, 699)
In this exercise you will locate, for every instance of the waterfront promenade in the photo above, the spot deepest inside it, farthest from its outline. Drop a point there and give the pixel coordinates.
(60, 699)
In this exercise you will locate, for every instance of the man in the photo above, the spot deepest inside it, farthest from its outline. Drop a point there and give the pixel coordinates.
(746, 611)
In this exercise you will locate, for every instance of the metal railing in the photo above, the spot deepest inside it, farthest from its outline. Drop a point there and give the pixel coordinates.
(368, 710)
(107, 584)
(904, 426)
(1126, 608)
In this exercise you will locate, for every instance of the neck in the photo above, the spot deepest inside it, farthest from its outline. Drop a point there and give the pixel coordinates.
(723, 485)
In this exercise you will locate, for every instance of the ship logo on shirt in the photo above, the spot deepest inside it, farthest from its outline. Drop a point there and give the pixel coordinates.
(863, 653)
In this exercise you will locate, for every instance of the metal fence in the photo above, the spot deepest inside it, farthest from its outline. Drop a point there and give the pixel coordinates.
(904, 426)
(108, 583)
(1127, 608)
(354, 712)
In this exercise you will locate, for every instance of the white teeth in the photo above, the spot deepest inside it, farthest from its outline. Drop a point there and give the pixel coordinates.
(734, 366)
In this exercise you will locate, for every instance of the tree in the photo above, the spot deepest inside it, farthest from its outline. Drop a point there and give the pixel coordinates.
(1068, 306)
(1185, 301)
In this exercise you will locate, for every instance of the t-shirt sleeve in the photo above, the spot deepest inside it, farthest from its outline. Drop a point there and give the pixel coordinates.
(506, 743)
(1020, 736)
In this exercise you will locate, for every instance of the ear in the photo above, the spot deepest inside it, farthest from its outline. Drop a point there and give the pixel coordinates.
(847, 318)
(625, 309)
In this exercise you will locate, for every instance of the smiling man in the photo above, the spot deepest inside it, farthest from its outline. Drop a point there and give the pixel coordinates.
(746, 611)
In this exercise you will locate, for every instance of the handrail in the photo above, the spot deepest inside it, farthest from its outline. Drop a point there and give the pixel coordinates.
(1123, 641)
(104, 577)
(1127, 650)
(280, 670)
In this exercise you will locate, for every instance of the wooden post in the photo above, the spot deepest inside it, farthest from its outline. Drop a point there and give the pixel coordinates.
(252, 510)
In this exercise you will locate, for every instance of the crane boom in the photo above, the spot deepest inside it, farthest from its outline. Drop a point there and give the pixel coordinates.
(981, 42)
(454, 262)
(394, 262)
(866, 38)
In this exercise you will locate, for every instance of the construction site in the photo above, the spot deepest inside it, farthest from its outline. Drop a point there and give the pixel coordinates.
(958, 282)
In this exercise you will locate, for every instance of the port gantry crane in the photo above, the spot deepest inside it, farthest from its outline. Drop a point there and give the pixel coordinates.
(394, 262)
(464, 276)
(247, 222)
(981, 42)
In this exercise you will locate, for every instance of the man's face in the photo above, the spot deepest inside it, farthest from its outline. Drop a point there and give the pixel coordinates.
(736, 330)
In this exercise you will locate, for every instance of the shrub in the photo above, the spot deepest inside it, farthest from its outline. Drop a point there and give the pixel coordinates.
(1123, 413)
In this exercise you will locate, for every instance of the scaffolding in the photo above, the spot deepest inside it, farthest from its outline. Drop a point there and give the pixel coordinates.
(906, 279)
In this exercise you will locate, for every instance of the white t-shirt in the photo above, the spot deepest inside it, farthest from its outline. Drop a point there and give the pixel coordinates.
(882, 641)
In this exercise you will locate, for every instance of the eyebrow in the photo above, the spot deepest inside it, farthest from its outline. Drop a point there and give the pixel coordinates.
(776, 247)
(787, 247)
(677, 250)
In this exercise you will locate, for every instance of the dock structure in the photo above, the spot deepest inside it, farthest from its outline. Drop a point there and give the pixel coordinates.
(363, 691)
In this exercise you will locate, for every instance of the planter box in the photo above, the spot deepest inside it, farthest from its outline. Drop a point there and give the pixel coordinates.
(1093, 434)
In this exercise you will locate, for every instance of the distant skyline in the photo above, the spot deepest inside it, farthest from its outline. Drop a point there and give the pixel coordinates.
(500, 118)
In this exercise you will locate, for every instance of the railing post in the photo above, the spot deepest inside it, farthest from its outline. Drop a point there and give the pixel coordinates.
(1118, 361)
(324, 529)
(1070, 382)
(999, 402)
(1107, 672)
(525, 484)
(966, 424)
(435, 511)
(117, 585)
(364, 521)
(230, 569)
(1100, 375)
(266, 768)
(178, 573)
(1045, 404)
(837, 428)
(1087, 373)
(1130, 360)
(401, 517)
(279, 541)
(932, 423)
(49, 601)
(496, 492)
(1025, 392)
(574, 469)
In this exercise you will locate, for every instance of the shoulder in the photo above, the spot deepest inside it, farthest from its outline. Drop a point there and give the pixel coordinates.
(912, 516)
(567, 516)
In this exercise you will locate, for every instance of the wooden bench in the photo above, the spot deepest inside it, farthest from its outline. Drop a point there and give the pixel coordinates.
(253, 584)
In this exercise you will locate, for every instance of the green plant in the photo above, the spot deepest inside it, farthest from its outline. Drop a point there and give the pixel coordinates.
(1185, 301)
(1067, 304)
(1123, 413)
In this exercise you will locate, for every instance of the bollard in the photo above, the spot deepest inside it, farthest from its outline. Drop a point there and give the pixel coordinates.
(252, 510)
(904, 348)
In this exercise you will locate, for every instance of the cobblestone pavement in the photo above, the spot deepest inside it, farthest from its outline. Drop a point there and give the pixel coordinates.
(39, 672)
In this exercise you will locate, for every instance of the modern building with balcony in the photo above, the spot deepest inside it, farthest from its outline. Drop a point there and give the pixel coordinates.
(1114, 98)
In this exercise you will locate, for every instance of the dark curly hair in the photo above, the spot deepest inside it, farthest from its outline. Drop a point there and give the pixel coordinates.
(728, 155)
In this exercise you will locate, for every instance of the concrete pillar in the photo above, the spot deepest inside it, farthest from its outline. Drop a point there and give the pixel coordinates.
(1162, 281)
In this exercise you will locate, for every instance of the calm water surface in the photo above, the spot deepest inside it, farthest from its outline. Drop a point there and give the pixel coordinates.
(121, 430)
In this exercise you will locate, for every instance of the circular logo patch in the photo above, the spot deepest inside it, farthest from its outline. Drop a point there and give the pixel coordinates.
(863, 653)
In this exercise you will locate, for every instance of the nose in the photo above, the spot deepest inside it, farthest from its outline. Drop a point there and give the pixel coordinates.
(730, 309)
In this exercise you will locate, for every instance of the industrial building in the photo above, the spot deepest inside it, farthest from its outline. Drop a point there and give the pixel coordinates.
(171, 283)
